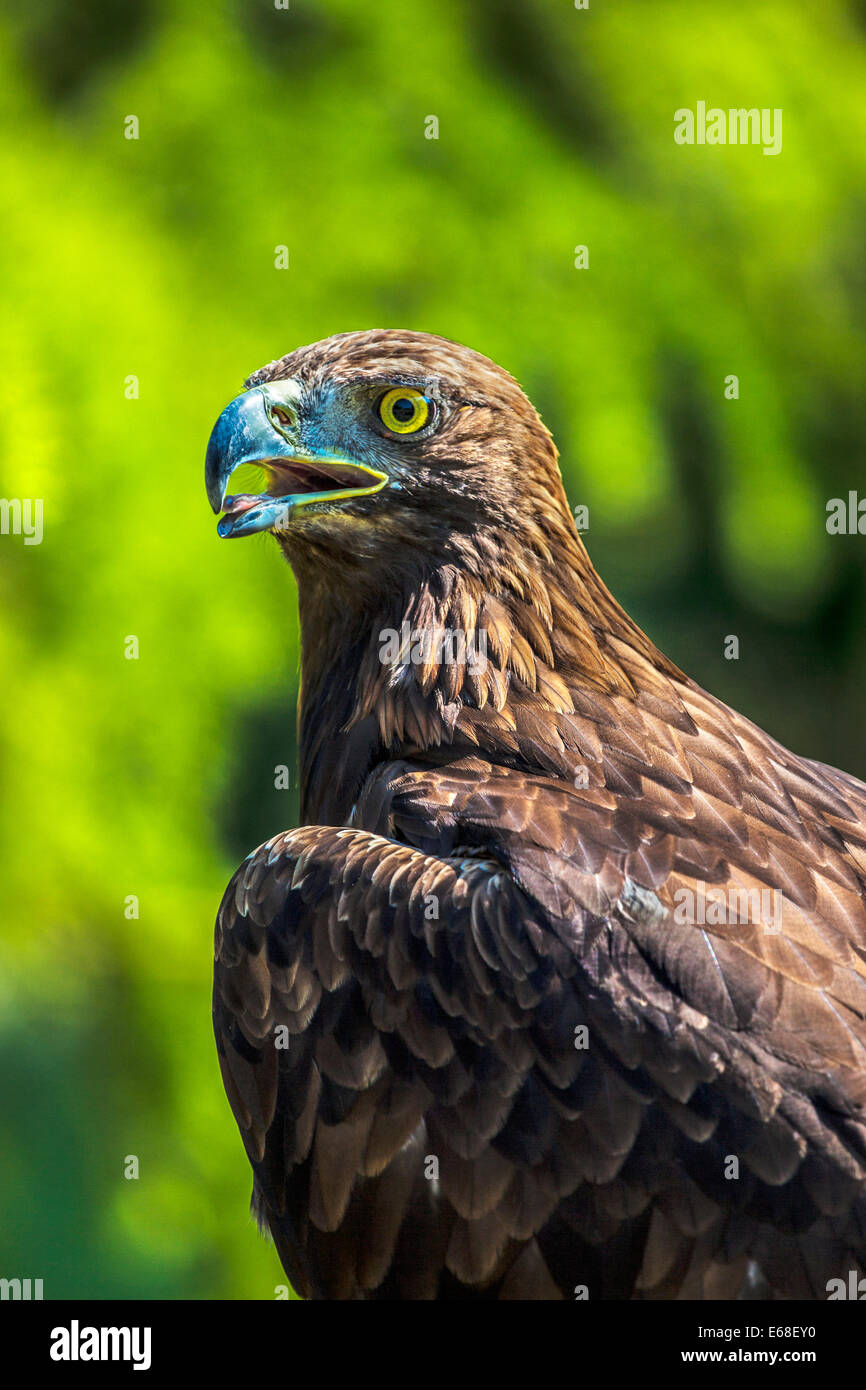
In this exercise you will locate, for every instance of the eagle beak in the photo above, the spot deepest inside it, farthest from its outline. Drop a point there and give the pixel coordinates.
(262, 427)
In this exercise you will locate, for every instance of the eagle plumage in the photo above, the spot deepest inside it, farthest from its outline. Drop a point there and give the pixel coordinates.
(478, 1033)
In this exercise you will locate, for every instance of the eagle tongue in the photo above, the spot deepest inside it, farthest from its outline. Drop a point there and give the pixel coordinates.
(248, 513)
(242, 502)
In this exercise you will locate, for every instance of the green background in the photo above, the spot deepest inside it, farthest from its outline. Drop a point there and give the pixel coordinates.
(155, 258)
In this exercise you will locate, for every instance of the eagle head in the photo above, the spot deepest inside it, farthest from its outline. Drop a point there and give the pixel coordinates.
(385, 443)
(414, 489)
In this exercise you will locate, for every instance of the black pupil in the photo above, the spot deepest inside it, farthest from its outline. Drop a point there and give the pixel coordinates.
(403, 409)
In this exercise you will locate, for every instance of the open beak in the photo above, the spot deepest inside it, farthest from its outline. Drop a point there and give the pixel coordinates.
(261, 427)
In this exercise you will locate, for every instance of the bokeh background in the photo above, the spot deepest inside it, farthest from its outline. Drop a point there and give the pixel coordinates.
(155, 258)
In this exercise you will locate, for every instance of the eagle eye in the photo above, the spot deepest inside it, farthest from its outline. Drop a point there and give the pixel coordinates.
(403, 410)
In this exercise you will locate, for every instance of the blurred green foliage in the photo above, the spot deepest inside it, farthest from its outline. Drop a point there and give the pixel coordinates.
(155, 257)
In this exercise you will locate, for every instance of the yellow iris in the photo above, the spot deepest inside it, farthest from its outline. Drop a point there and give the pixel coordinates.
(404, 410)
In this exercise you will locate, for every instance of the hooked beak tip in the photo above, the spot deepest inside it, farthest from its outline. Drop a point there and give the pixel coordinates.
(236, 436)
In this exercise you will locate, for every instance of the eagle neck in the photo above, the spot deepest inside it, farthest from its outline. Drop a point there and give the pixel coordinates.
(459, 659)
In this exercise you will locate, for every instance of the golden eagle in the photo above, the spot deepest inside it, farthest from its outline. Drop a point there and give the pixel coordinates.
(559, 990)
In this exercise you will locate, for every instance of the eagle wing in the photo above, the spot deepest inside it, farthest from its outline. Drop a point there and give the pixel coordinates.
(471, 1049)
